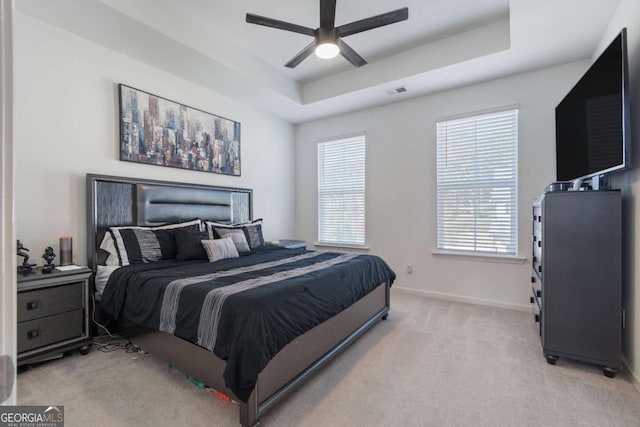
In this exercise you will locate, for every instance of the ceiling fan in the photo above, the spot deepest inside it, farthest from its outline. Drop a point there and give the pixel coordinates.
(328, 41)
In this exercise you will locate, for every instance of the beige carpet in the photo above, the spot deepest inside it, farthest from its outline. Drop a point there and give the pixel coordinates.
(433, 363)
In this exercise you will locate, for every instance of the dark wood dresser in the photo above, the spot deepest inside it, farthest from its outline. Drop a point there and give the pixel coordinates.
(577, 276)
(53, 314)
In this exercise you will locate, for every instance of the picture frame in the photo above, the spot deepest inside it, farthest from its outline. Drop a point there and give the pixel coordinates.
(158, 131)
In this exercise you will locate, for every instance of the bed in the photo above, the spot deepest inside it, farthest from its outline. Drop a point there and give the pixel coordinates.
(336, 297)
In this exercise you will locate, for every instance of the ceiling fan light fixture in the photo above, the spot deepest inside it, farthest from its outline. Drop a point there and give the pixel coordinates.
(328, 39)
(327, 50)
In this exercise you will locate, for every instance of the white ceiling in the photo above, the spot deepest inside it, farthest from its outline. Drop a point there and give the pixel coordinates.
(213, 20)
(443, 44)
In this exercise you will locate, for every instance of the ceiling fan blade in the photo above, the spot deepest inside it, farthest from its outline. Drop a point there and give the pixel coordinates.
(350, 54)
(281, 25)
(373, 22)
(327, 14)
(293, 63)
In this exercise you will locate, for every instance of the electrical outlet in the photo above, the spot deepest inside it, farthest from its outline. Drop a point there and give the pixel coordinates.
(409, 268)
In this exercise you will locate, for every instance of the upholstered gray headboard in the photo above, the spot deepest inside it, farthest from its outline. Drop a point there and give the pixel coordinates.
(157, 204)
(113, 200)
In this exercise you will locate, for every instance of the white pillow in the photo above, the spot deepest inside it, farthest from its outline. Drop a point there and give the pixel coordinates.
(102, 277)
(220, 249)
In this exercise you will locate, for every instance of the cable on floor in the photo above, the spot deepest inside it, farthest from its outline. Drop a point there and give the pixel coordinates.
(106, 341)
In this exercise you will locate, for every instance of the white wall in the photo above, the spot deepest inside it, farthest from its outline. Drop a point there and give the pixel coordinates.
(628, 15)
(66, 125)
(401, 181)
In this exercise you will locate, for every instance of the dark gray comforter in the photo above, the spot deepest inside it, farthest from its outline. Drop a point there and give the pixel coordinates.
(244, 309)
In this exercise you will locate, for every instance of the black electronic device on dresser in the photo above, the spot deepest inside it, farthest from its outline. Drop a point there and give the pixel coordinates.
(577, 276)
(53, 314)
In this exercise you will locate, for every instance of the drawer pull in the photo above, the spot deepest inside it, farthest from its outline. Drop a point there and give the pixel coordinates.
(539, 243)
(531, 300)
(35, 333)
(540, 218)
(535, 238)
(540, 269)
(32, 305)
(535, 217)
(536, 317)
(539, 293)
(533, 279)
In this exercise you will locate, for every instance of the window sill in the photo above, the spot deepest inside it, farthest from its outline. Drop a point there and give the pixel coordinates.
(340, 245)
(507, 259)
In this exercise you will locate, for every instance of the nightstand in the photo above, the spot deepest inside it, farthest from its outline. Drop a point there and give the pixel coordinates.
(53, 314)
(292, 244)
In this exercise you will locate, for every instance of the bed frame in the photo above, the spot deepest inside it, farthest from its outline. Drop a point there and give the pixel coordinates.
(129, 201)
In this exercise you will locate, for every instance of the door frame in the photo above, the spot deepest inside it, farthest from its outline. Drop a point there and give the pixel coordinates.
(7, 226)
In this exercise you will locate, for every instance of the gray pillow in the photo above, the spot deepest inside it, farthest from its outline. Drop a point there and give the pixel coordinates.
(220, 249)
(237, 236)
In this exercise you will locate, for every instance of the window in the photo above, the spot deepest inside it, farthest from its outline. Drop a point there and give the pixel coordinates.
(341, 190)
(477, 183)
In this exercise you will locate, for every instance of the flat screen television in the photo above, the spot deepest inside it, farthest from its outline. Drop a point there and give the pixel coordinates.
(592, 121)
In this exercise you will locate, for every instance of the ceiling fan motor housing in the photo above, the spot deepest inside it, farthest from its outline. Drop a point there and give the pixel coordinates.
(326, 35)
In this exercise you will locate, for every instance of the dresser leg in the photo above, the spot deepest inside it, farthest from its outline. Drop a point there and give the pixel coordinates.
(85, 350)
(609, 372)
(551, 360)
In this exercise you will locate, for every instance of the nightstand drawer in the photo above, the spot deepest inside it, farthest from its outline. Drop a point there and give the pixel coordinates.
(45, 302)
(49, 330)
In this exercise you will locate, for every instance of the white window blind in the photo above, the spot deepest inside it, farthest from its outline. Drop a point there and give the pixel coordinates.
(341, 188)
(477, 183)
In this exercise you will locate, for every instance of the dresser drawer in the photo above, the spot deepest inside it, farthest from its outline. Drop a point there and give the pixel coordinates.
(46, 302)
(49, 330)
(537, 311)
(536, 285)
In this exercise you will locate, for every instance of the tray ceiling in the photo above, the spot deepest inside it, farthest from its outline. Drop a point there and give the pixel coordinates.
(443, 44)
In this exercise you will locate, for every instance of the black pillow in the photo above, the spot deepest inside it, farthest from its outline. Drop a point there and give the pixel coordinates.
(189, 245)
(253, 232)
(102, 256)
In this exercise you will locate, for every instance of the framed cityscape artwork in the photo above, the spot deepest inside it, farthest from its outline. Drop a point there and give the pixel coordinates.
(158, 131)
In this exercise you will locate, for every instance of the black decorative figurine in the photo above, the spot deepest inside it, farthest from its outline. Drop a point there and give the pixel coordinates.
(48, 256)
(26, 267)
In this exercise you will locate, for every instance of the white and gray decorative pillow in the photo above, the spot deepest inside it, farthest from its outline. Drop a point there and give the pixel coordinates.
(252, 231)
(220, 249)
(237, 236)
(137, 244)
(109, 248)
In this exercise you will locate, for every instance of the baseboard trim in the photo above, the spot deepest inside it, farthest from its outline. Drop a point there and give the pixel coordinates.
(634, 376)
(468, 300)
